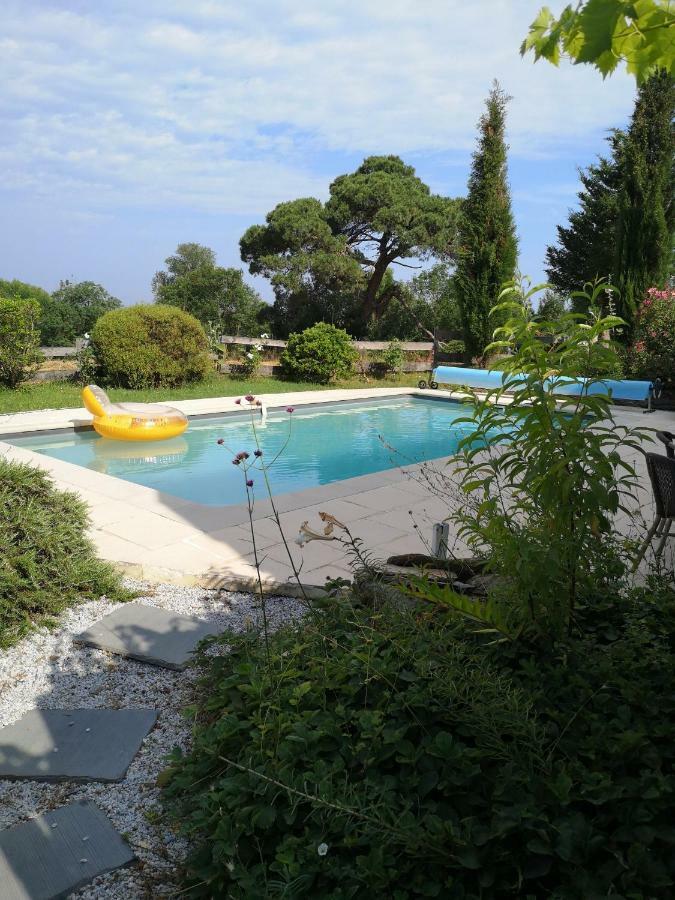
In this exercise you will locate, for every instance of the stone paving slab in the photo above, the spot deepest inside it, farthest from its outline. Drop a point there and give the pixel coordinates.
(148, 634)
(55, 854)
(73, 744)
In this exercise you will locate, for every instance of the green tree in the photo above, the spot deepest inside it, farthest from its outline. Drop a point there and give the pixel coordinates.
(603, 33)
(72, 310)
(586, 246)
(329, 262)
(218, 296)
(420, 307)
(23, 291)
(552, 306)
(646, 206)
(187, 258)
(487, 243)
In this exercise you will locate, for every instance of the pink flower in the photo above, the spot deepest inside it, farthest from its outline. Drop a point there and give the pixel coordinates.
(257, 452)
(249, 398)
(249, 483)
(220, 441)
(242, 455)
(290, 409)
(238, 401)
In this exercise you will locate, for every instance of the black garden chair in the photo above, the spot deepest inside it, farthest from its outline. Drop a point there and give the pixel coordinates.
(668, 439)
(661, 471)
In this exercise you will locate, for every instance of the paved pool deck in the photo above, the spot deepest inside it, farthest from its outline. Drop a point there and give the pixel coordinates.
(158, 537)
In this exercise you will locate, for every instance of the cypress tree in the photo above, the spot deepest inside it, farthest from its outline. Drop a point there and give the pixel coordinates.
(487, 243)
(586, 247)
(646, 209)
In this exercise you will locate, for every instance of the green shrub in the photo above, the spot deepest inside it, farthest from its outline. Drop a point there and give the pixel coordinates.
(431, 766)
(371, 735)
(454, 348)
(552, 545)
(390, 360)
(46, 561)
(150, 346)
(652, 353)
(19, 339)
(319, 354)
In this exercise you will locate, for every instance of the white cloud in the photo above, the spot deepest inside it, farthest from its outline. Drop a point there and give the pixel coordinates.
(230, 107)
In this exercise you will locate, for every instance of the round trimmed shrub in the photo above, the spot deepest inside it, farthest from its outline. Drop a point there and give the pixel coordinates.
(319, 354)
(150, 346)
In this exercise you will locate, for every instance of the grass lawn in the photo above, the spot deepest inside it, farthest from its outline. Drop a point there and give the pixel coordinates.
(60, 394)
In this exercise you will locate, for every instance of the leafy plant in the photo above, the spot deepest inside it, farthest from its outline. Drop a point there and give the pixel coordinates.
(320, 354)
(393, 754)
(46, 561)
(19, 339)
(542, 474)
(250, 363)
(150, 346)
(453, 348)
(652, 353)
(388, 361)
(603, 33)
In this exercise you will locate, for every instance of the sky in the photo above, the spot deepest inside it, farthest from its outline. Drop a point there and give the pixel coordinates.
(129, 126)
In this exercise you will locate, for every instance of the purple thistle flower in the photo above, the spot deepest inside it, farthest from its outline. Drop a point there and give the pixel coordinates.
(249, 483)
(242, 455)
(236, 462)
(249, 398)
(238, 401)
(257, 452)
(290, 409)
(220, 441)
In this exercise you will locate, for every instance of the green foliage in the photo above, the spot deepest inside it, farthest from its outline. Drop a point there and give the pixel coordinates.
(487, 245)
(72, 310)
(454, 348)
(391, 359)
(329, 261)
(187, 259)
(586, 246)
(20, 289)
(652, 353)
(150, 346)
(381, 737)
(250, 363)
(431, 765)
(46, 562)
(319, 354)
(646, 212)
(19, 339)
(603, 33)
(210, 293)
(542, 476)
(419, 307)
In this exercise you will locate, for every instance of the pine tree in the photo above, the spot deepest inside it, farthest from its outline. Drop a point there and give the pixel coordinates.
(586, 247)
(646, 206)
(487, 243)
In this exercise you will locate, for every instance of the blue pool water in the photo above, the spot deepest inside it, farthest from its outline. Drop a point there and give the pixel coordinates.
(323, 443)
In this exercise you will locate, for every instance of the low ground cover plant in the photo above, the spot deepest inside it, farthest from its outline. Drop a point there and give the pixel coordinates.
(392, 752)
(46, 561)
(150, 346)
(19, 339)
(321, 354)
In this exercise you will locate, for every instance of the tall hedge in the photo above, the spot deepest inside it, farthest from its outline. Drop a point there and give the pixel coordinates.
(19, 339)
(150, 346)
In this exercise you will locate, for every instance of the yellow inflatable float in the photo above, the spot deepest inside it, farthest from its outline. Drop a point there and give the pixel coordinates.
(132, 421)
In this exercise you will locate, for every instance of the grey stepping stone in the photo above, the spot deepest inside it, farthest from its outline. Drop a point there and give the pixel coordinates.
(73, 744)
(149, 634)
(59, 852)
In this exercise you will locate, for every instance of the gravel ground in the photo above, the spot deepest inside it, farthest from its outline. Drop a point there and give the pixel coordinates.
(47, 669)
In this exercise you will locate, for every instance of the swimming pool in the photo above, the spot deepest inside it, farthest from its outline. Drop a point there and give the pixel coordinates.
(321, 444)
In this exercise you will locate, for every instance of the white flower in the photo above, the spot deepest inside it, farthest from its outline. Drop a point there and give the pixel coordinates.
(249, 356)
(264, 336)
(322, 849)
(258, 347)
